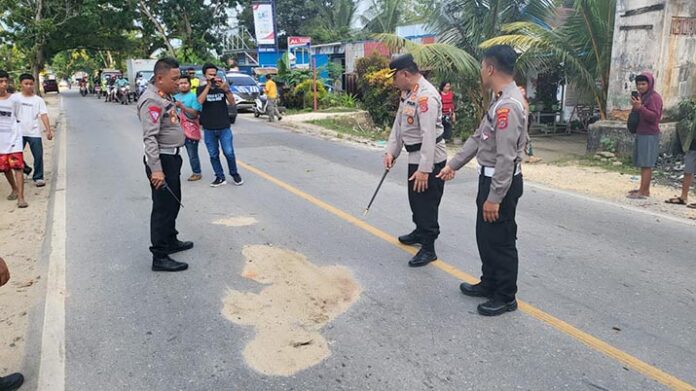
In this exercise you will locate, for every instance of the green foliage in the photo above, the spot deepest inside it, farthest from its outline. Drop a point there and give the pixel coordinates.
(371, 63)
(380, 97)
(607, 144)
(66, 63)
(339, 100)
(303, 93)
(13, 60)
(583, 44)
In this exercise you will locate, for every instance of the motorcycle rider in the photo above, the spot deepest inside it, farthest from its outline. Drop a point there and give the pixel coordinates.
(122, 82)
(111, 89)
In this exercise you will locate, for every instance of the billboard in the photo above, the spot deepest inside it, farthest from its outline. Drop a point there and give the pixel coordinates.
(294, 42)
(264, 25)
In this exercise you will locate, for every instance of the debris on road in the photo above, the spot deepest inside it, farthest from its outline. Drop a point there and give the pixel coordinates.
(288, 314)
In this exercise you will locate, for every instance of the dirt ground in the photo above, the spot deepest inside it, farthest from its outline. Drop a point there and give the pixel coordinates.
(21, 237)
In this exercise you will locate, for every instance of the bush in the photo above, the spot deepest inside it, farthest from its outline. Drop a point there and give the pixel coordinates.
(373, 63)
(303, 94)
(380, 97)
(339, 100)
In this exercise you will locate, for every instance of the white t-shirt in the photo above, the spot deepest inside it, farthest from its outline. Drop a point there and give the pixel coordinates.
(30, 110)
(10, 133)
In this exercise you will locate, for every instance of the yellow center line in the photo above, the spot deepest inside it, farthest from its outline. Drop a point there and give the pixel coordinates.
(595, 343)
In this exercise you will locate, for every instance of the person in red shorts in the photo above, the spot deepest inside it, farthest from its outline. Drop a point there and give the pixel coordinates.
(11, 157)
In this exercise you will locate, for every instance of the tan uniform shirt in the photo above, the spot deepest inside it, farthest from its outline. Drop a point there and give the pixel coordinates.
(499, 141)
(161, 128)
(419, 121)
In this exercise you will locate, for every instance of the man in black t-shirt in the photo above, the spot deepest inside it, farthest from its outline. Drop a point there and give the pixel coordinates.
(215, 121)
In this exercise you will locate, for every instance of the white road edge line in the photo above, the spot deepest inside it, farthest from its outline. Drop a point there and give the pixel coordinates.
(52, 363)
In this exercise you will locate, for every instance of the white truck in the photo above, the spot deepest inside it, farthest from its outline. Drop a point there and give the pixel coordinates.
(135, 66)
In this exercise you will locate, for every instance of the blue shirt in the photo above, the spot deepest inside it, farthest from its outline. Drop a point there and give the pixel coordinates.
(189, 100)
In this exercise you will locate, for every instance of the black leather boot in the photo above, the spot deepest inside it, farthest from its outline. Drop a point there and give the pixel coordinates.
(180, 246)
(410, 239)
(495, 307)
(166, 264)
(425, 256)
(477, 290)
(11, 382)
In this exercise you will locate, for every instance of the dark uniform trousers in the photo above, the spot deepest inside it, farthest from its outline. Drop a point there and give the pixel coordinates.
(165, 208)
(497, 241)
(425, 205)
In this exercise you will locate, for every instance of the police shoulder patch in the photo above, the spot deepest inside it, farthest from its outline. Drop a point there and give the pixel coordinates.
(502, 118)
(423, 104)
(154, 112)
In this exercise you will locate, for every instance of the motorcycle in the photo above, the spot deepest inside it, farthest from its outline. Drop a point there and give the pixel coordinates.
(97, 91)
(83, 89)
(260, 106)
(111, 94)
(123, 95)
(141, 89)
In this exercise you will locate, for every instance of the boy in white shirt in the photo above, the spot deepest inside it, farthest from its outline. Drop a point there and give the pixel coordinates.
(11, 157)
(32, 109)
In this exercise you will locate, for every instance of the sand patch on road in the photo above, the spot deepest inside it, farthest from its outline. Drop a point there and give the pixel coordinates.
(288, 315)
(238, 221)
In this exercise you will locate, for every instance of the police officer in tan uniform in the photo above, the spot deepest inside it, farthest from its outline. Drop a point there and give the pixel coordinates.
(163, 139)
(498, 145)
(418, 128)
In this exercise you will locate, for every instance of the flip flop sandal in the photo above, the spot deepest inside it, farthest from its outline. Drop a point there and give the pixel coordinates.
(12, 197)
(636, 196)
(634, 191)
(22, 205)
(675, 201)
(692, 206)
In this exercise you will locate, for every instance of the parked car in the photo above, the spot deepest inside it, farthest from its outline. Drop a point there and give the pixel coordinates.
(50, 85)
(245, 90)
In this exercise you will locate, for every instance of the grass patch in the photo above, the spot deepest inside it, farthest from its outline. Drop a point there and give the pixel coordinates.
(351, 126)
(329, 110)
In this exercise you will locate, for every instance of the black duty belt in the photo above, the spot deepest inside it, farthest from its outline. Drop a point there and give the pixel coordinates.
(417, 147)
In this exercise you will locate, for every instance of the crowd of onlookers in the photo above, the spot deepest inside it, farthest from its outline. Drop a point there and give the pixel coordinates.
(22, 115)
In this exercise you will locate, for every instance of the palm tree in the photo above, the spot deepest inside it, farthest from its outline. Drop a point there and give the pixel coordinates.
(337, 14)
(441, 58)
(383, 16)
(467, 23)
(582, 44)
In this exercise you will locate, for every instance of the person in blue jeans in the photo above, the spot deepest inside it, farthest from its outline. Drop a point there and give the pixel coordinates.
(187, 102)
(214, 97)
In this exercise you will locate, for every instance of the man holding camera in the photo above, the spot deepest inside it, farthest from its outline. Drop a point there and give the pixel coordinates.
(215, 120)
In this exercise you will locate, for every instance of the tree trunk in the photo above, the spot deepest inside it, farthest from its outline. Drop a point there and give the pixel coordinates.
(158, 27)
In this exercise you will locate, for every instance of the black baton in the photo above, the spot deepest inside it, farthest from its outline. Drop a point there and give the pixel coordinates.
(172, 193)
(376, 191)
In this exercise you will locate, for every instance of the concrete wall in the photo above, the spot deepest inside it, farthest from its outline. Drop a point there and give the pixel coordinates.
(623, 140)
(644, 40)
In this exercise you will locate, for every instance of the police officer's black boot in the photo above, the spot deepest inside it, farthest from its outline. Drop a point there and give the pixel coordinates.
(496, 306)
(11, 382)
(410, 239)
(476, 290)
(180, 246)
(424, 256)
(162, 263)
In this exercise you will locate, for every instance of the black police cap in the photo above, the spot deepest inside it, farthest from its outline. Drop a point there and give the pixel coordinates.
(402, 62)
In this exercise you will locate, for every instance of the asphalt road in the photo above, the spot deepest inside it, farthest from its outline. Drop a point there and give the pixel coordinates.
(626, 278)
